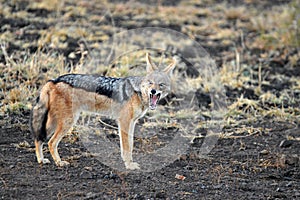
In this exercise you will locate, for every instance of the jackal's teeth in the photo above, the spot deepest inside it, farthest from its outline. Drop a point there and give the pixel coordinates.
(158, 96)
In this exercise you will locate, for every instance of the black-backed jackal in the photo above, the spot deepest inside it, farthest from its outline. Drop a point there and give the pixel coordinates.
(125, 99)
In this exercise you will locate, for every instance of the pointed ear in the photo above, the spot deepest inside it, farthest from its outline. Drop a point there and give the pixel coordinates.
(168, 70)
(150, 65)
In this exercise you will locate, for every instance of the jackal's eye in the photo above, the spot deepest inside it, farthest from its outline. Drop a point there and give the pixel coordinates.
(162, 85)
(150, 82)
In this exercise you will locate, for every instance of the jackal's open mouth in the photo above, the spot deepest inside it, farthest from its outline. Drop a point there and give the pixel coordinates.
(154, 98)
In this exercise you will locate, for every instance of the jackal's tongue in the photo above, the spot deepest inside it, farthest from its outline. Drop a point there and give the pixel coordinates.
(153, 101)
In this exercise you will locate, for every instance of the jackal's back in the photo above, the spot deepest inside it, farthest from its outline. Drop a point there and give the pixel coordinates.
(91, 83)
(119, 89)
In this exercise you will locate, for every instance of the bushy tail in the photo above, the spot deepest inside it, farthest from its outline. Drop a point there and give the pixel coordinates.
(39, 116)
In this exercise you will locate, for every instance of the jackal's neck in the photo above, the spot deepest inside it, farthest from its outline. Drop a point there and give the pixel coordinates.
(125, 88)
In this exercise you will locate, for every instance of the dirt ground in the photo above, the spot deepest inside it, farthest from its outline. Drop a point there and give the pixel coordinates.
(254, 159)
(261, 166)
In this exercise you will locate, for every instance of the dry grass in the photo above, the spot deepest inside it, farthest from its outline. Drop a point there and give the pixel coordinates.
(22, 76)
(20, 80)
(279, 28)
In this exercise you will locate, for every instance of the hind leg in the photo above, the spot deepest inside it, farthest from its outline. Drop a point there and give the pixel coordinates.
(39, 152)
(60, 132)
(50, 127)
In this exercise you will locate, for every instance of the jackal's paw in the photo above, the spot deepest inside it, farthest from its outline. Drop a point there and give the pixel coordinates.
(132, 165)
(44, 161)
(62, 163)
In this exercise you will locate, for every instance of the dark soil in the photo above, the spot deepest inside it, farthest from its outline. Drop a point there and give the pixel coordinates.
(261, 165)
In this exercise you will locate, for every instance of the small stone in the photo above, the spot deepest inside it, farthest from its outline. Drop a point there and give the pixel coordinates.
(264, 152)
(180, 177)
(88, 168)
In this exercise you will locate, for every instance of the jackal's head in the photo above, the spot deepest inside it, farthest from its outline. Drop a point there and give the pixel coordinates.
(156, 84)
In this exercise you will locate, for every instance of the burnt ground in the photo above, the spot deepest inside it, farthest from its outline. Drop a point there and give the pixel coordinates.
(264, 165)
(254, 159)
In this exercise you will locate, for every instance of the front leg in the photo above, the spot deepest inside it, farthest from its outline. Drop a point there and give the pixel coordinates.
(126, 133)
